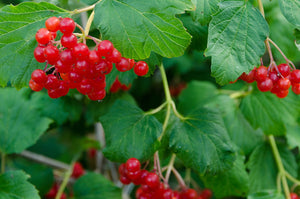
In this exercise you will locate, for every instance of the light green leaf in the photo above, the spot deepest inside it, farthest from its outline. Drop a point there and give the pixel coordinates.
(129, 132)
(95, 186)
(20, 123)
(17, 39)
(139, 27)
(202, 143)
(14, 185)
(291, 11)
(270, 194)
(293, 136)
(236, 37)
(204, 10)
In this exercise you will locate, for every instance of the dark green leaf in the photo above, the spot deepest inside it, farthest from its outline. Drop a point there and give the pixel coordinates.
(266, 110)
(236, 37)
(234, 182)
(95, 186)
(17, 39)
(270, 194)
(14, 185)
(129, 132)
(153, 61)
(20, 123)
(204, 10)
(202, 143)
(139, 27)
(291, 11)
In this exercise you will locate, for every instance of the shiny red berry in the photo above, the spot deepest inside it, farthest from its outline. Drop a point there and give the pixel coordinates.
(43, 36)
(39, 76)
(133, 165)
(265, 85)
(123, 65)
(78, 170)
(67, 26)
(68, 41)
(52, 82)
(115, 56)
(35, 86)
(261, 73)
(296, 88)
(284, 83)
(282, 93)
(284, 69)
(39, 54)
(206, 193)
(51, 54)
(105, 48)
(80, 51)
(141, 68)
(152, 180)
(52, 24)
(97, 95)
(295, 76)
(294, 196)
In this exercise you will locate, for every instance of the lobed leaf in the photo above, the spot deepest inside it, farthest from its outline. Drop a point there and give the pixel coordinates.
(291, 11)
(204, 10)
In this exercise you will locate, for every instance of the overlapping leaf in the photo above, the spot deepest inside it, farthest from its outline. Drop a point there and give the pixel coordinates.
(18, 25)
(236, 37)
(291, 11)
(204, 10)
(139, 27)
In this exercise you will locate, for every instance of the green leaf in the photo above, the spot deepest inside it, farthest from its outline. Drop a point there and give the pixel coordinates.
(263, 176)
(14, 185)
(20, 123)
(95, 186)
(139, 27)
(124, 77)
(291, 11)
(297, 35)
(293, 136)
(204, 10)
(266, 111)
(129, 132)
(17, 39)
(201, 142)
(270, 194)
(234, 182)
(236, 38)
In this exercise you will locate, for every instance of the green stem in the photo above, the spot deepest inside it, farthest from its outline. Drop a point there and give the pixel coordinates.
(151, 112)
(291, 178)
(169, 169)
(165, 83)
(2, 162)
(83, 9)
(261, 8)
(280, 166)
(64, 182)
(89, 23)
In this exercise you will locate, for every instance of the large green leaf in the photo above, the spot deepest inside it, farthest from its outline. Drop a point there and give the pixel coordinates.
(204, 10)
(270, 113)
(270, 194)
(234, 182)
(129, 132)
(291, 11)
(139, 27)
(14, 185)
(263, 176)
(95, 186)
(236, 37)
(293, 135)
(20, 123)
(201, 142)
(17, 39)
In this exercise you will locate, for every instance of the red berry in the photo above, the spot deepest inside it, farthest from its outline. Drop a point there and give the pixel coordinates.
(52, 192)
(206, 193)
(141, 179)
(105, 48)
(66, 57)
(52, 82)
(67, 26)
(131, 62)
(261, 73)
(77, 170)
(188, 194)
(75, 77)
(152, 180)
(141, 68)
(250, 77)
(80, 51)
(167, 194)
(62, 68)
(296, 88)
(265, 85)
(93, 57)
(39, 76)
(115, 56)
(97, 95)
(125, 180)
(284, 69)
(103, 67)
(53, 93)
(133, 165)
(52, 54)
(122, 170)
(99, 82)
(68, 41)
(85, 87)
(274, 76)
(35, 86)
(123, 65)
(81, 67)
(282, 93)
(63, 88)
(284, 83)
(39, 54)
(295, 76)
(63, 196)
(293, 196)
(43, 36)
(134, 175)
(52, 24)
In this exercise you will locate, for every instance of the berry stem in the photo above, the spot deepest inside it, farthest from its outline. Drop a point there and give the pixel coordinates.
(280, 166)
(2, 162)
(89, 23)
(179, 178)
(83, 32)
(157, 165)
(261, 8)
(156, 110)
(169, 168)
(65, 182)
(291, 178)
(77, 11)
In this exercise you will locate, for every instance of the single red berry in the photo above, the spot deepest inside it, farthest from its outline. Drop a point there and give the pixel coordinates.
(99, 82)
(123, 65)
(141, 179)
(294, 196)
(261, 73)
(115, 56)
(134, 175)
(265, 85)
(122, 169)
(81, 67)
(284, 69)
(52, 82)
(206, 193)
(282, 93)
(274, 76)
(85, 87)
(75, 77)
(43, 36)
(35, 86)
(68, 41)
(138, 192)
(52, 54)
(66, 57)
(105, 48)
(53, 93)
(77, 170)
(133, 165)
(167, 194)
(188, 194)
(97, 95)
(295, 76)
(249, 78)
(63, 88)
(39, 54)
(52, 192)
(103, 67)
(152, 180)
(52, 24)
(93, 57)
(67, 26)
(39, 76)
(284, 83)
(63, 196)
(125, 180)
(80, 51)
(296, 88)
(141, 68)
(62, 68)
(131, 62)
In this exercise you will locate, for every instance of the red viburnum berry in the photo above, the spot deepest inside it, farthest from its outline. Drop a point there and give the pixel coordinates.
(296, 88)
(123, 65)
(141, 68)
(68, 41)
(115, 56)
(294, 196)
(52, 24)
(284, 83)
(52, 82)
(51, 54)
(282, 93)
(39, 54)
(152, 180)
(39, 76)
(261, 73)
(97, 95)
(105, 48)
(265, 85)
(133, 165)
(80, 51)
(295, 76)
(206, 193)
(43, 36)
(67, 26)
(77, 170)
(35, 86)
(284, 69)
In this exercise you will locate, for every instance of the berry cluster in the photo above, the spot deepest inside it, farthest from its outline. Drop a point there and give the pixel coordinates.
(151, 186)
(294, 196)
(74, 65)
(276, 81)
(117, 85)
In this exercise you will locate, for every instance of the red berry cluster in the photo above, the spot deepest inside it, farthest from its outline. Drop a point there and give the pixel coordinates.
(151, 186)
(78, 170)
(277, 82)
(117, 85)
(53, 192)
(74, 65)
(294, 196)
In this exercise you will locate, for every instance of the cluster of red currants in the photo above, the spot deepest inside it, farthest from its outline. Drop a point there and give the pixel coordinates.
(74, 65)
(294, 196)
(277, 82)
(151, 186)
(117, 85)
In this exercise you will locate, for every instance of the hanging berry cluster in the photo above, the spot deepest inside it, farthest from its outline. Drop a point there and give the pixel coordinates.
(73, 64)
(117, 85)
(151, 186)
(277, 80)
